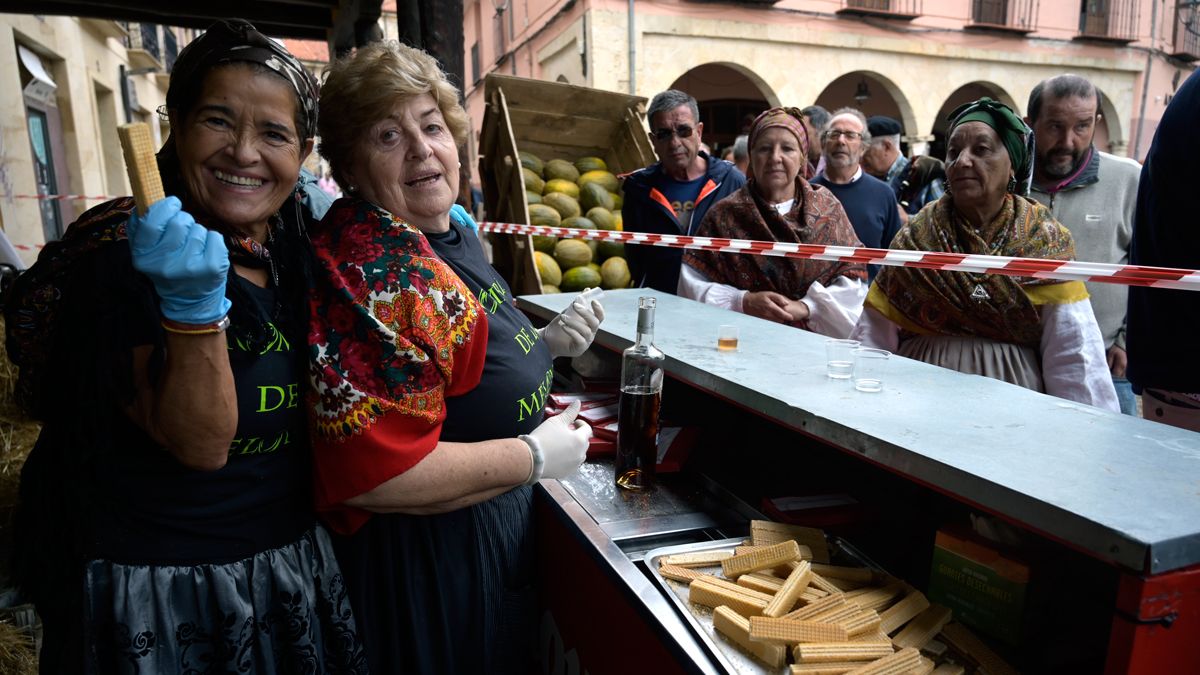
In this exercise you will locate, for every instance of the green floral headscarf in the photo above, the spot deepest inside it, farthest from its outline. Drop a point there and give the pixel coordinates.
(1015, 135)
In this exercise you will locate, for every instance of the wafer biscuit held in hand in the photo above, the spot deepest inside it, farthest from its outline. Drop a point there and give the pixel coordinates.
(923, 628)
(771, 556)
(790, 591)
(783, 631)
(141, 164)
(735, 627)
(900, 663)
(823, 652)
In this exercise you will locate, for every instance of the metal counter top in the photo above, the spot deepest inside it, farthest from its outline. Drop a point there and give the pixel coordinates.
(1122, 489)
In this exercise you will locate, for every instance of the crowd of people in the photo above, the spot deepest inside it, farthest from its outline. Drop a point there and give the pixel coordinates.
(1030, 187)
(297, 436)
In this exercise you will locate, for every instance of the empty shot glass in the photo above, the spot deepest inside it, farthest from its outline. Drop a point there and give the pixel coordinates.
(727, 338)
(839, 358)
(869, 368)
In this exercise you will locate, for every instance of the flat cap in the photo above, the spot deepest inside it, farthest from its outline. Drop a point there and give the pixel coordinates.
(882, 125)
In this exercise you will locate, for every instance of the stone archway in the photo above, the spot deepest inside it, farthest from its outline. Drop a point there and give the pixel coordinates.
(872, 94)
(968, 92)
(1108, 128)
(730, 96)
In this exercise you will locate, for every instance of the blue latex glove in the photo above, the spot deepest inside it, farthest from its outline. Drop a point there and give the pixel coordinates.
(459, 215)
(187, 262)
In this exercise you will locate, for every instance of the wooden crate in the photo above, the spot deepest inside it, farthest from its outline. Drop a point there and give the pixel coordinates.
(553, 121)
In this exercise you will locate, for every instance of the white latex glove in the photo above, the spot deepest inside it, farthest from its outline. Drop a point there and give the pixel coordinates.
(572, 332)
(558, 446)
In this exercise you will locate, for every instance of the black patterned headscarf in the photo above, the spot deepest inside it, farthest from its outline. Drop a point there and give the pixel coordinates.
(237, 40)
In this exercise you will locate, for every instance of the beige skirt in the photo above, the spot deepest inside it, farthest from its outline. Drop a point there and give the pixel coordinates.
(999, 360)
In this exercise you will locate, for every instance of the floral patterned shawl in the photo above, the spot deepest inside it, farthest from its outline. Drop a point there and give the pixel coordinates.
(966, 304)
(393, 333)
(817, 217)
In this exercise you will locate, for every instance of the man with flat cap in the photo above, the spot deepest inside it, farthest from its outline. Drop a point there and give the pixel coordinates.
(916, 182)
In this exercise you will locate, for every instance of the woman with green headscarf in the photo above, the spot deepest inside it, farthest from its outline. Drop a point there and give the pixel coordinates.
(1036, 333)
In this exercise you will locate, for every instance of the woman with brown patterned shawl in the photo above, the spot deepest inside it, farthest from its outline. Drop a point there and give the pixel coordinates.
(778, 204)
(1036, 333)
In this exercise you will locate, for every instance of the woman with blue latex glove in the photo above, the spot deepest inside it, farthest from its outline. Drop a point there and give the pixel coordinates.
(166, 520)
(428, 384)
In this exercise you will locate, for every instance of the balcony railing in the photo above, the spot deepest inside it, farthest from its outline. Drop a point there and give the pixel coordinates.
(1110, 20)
(896, 9)
(1187, 32)
(144, 51)
(1018, 16)
(170, 49)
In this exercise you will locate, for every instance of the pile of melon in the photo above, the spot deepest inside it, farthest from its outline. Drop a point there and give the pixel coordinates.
(580, 194)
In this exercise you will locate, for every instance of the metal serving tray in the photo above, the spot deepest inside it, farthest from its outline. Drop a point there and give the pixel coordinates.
(723, 650)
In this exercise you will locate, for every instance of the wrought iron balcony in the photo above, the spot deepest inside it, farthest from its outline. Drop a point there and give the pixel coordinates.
(143, 46)
(1109, 20)
(889, 9)
(1187, 31)
(1013, 16)
(170, 49)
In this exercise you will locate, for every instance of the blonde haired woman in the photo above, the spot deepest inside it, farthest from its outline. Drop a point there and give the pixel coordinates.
(428, 384)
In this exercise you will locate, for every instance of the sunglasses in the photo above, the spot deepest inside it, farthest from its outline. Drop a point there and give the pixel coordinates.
(682, 131)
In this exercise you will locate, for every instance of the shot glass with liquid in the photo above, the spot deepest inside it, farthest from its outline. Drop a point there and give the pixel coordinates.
(727, 338)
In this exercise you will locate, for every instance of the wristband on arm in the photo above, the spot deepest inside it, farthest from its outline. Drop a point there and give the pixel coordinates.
(537, 459)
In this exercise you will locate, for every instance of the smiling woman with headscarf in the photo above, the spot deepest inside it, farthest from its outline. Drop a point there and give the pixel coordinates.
(1036, 333)
(778, 204)
(166, 522)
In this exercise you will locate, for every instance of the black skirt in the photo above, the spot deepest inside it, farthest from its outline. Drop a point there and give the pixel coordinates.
(447, 593)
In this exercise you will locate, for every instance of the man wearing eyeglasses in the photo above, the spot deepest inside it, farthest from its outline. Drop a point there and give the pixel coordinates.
(869, 202)
(672, 196)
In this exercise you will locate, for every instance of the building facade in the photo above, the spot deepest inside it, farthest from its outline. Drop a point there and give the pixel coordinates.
(915, 60)
(73, 81)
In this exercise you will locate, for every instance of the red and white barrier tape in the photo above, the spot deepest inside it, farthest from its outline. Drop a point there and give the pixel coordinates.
(1127, 275)
(66, 197)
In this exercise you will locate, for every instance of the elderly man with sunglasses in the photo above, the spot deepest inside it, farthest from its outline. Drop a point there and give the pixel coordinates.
(672, 196)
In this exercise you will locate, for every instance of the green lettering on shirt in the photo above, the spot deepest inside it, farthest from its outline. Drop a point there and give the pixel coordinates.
(536, 400)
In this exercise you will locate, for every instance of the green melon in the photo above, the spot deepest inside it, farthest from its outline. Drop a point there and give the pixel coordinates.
(605, 179)
(594, 267)
(602, 217)
(566, 187)
(548, 289)
(571, 253)
(561, 169)
(614, 273)
(618, 201)
(579, 278)
(595, 246)
(544, 215)
(533, 197)
(592, 195)
(533, 182)
(609, 249)
(586, 164)
(531, 161)
(579, 222)
(544, 244)
(548, 269)
(566, 205)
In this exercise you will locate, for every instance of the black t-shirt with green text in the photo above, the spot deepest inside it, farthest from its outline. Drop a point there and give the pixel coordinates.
(518, 369)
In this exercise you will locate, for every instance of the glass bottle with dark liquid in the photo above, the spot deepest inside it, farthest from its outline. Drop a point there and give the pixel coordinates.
(641, 398)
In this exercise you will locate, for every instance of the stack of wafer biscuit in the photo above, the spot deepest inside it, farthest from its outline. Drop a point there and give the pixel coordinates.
(779, 599)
